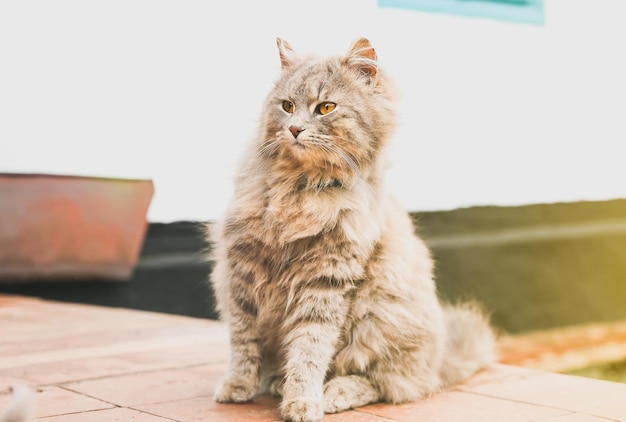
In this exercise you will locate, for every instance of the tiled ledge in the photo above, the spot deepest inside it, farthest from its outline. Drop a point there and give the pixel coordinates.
(566, 348)
(92, 364)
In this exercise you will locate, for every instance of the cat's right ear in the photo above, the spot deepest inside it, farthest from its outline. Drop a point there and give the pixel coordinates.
(287, 54)
(363, 56)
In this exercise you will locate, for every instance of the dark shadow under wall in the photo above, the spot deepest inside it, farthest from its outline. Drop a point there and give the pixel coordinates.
(171, 277)
(534, 267)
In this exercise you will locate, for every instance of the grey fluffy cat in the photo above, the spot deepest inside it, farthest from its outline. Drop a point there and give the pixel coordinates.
(328, 293)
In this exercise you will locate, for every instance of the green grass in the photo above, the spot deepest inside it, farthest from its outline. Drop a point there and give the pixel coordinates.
(613, 371)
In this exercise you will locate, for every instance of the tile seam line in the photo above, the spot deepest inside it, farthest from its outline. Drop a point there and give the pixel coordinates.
(64, 384)
(610, 419)
(364, 411)
(526, 402)
(80, 393)
(34, 381)
(90, 351)
(153, 414)
(75, 413)
(116, 406)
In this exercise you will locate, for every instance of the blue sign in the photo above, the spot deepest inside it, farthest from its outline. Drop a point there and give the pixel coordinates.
(522, 11)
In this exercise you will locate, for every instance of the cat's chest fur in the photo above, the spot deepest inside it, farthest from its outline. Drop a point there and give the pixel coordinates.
(280, 216)
(285, 242)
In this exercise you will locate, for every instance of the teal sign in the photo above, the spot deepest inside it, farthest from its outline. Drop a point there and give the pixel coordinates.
(521, 11)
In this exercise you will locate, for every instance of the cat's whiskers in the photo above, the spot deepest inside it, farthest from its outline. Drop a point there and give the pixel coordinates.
(351, 160)
(266, 149)
(333, 140)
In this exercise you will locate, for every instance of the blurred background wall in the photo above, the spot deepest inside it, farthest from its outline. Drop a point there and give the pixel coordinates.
(508, 151)
(491, 112)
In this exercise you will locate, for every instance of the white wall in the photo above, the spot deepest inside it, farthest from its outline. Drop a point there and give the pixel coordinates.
(491, 112)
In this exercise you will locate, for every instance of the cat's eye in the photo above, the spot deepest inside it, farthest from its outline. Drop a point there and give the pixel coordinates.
(325, 108)
(288, 106)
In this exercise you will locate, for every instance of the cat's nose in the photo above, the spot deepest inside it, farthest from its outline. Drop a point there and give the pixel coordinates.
(296, 130)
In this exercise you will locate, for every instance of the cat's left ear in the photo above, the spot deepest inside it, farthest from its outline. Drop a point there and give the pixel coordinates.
(287, 54)
(363, 56)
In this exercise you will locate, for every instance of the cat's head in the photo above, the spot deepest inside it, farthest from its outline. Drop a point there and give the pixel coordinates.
(327, 119)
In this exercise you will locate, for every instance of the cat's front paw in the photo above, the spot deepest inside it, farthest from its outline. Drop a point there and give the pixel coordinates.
(302, 409)
(336, 397)
(348, 392)
(235, 391)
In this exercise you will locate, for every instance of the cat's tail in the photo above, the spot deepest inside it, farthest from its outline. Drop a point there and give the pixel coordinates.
(470, 343)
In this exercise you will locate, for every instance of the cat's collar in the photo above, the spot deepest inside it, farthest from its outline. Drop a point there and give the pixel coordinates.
(305, 184)
(333, 184)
